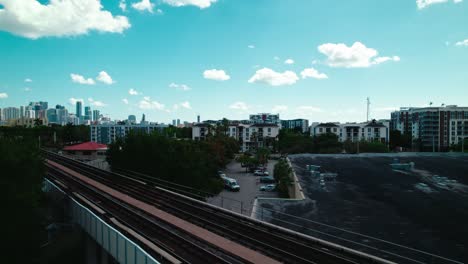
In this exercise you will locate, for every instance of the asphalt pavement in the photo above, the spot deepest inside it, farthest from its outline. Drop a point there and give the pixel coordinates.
(249, 189)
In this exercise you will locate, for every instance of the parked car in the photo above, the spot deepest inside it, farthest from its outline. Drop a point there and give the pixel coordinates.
(268, 188)
(267, 179)
(231, 184)
(261, 173)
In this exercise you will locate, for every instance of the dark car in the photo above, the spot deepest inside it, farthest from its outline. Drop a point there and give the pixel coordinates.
(267, 179)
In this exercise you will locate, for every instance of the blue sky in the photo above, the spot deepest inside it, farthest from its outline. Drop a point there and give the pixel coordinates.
(304, 58)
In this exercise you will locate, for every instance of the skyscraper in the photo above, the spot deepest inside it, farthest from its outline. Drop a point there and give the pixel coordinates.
(22, 111)
(87, 113)
(96, 115)
(79, 109)
(62, 114)
(198, 118)
(52, 115)
(9, 113)
(178, 122)
(174, 122)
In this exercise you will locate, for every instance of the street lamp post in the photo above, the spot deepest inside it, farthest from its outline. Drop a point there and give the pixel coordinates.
(463, 136)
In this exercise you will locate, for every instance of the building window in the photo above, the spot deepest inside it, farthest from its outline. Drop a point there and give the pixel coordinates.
(320, 130)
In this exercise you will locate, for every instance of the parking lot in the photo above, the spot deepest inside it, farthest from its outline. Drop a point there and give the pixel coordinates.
(369, 197)
(249, 189)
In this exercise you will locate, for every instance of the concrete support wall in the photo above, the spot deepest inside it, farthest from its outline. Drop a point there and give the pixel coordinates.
(295, 191)
(114, 243)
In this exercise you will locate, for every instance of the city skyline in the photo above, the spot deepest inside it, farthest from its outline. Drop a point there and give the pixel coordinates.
(146, 58)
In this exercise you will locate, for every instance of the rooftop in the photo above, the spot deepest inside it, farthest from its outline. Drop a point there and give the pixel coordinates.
(86, 146)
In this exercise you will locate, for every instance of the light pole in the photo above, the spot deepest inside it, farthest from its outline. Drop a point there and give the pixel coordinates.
(463, 136)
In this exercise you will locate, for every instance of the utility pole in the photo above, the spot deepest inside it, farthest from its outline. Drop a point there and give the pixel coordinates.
(368, 107)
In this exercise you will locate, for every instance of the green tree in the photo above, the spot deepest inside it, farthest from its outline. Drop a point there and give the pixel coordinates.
(327, 143)
(185, 162)
(21, 181)
(282, 174)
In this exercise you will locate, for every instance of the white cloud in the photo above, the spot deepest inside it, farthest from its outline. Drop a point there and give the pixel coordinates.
(217, 75)
(199, 3)
(27, 89)
(355, 56)
(143, 5)
(123, 5)
(307, 111)
(27, 80)
(159, 11)
(182, 87)
(96, 103)
(279, 108)
(379, 60)
(185, 105)
(105, 78)
(313, 73)
(125, 101)
(133, 92)
(239, 106)
(3, 95)
(31, 19)
(147, 104)
(251, 46)
(270, 77)
(462, 43)
(276, 58)
(76, 78)
(72, 101)
(289, 61)
(425, 3)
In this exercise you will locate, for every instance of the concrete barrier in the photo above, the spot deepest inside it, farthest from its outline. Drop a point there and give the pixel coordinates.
(295, 191)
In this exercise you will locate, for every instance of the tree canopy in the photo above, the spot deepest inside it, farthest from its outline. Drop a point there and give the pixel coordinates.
(185, 162)
(21, 181)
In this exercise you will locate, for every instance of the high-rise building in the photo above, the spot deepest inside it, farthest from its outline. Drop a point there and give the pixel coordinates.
(132, 119)
(10, 113)
(174, 122)
(87, 113)
(52, 116)
(433, 128)
(96, 115)
(22, 111)
(178, 122)
(198, 118)
(79, 109)
(30, 113)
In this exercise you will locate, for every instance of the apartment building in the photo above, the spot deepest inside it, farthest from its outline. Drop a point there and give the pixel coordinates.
(437, 128)
(433, 128)
(367, 131)
(401, 120)
(296, 124)
(250, 136)
(108, 133)
(265, 118)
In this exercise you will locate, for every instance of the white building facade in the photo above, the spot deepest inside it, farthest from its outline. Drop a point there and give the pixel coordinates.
(367, 131)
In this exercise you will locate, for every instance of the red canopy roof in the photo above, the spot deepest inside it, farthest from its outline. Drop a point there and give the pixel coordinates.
(86, 146)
